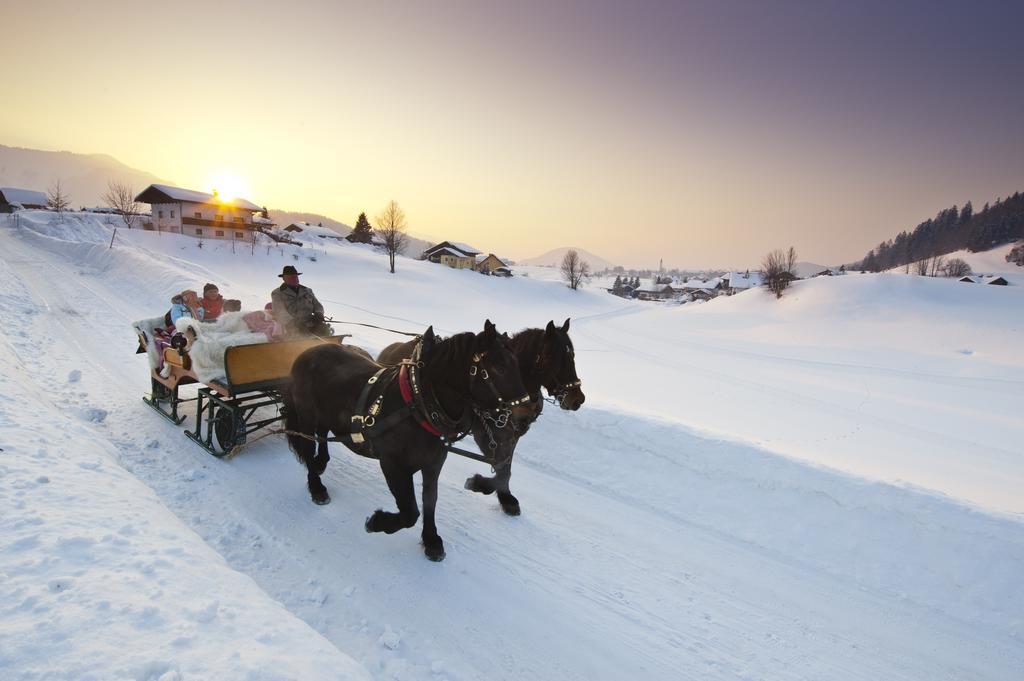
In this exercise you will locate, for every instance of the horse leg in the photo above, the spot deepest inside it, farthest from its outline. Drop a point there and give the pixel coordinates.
(508, 501)
(433, 546)
(400, 482)
(322, 455)
(480, 483)
(500, 481)
(298, 419)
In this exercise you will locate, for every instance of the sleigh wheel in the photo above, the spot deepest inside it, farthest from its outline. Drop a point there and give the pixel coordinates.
(229, 429)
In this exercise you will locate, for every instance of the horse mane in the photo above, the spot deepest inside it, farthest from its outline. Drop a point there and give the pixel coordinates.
(527, 345)
(451, 353)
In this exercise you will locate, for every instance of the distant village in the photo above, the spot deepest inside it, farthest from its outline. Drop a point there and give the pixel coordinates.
(207, 216)
(203, 216)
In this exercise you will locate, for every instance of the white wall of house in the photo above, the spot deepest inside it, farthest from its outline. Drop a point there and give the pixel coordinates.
(167, 217)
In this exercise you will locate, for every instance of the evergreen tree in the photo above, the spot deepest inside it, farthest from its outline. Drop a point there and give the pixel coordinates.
(362, 233)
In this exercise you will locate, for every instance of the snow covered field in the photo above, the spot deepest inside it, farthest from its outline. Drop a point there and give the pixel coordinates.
(823, 487)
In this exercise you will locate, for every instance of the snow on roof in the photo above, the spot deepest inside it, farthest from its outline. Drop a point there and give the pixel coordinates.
(699, 284)
(452, 251)
(179, 194)
(25, 197)
(743, 280)
(465, 248)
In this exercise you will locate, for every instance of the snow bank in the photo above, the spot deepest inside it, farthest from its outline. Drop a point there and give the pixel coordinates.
(100, 580)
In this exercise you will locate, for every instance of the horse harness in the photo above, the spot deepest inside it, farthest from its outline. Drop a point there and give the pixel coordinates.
(420, 405)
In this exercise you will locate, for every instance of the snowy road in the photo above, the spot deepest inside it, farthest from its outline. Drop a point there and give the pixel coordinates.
(646, 550)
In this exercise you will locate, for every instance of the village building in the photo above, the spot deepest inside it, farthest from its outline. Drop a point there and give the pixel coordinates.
(492, 264)
(453, 254)
(710, 288)
(198, 214)
(700, 295)
(735, 282)
(12, 199)
(656, 292)
(985, 279)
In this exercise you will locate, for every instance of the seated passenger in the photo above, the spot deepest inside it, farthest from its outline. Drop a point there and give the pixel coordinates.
(212, 302)
(264, 322)
(185, 304)
(296, 308)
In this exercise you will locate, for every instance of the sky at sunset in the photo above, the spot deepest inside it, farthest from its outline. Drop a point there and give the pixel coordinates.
(704, 133)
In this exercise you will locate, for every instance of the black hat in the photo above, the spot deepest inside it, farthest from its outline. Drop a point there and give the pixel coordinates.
(288, 269)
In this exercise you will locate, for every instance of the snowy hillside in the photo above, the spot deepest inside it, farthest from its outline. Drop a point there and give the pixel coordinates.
(83, 177)
(822, 487)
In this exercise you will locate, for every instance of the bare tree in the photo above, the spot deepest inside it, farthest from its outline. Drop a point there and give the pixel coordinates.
(57, 199)
(575, 270)
(121, 197)
(956, 267)
(936, 266)
(779, 270)
(391, 230)
(921, 267)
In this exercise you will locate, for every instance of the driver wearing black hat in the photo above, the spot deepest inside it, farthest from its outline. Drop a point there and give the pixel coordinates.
(295, 307)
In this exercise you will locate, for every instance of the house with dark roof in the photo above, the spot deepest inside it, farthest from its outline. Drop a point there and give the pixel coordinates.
(453, 254)
(492, 264)
(984, 279)
(656, 292)
(198, 214)
(12, 199)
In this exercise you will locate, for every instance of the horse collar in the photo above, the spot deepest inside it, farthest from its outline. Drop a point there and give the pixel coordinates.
(406, 388)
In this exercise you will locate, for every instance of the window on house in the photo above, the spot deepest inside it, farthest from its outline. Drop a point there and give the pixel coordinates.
(199, 216)
(218, 217)
(172, 214)
(220, 232)
(238, 219)
(239, 235)
(160, 214)
(199, 232)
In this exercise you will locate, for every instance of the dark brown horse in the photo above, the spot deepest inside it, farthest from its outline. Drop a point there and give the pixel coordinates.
(406, 415)
(546, 360)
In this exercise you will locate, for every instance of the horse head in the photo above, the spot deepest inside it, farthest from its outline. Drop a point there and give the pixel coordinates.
(557, 361)
(495, 380)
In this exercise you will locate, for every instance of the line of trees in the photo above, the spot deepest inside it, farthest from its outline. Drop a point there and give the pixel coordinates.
(950, 230)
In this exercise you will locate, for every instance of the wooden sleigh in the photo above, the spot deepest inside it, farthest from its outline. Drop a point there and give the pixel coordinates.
(226, 409)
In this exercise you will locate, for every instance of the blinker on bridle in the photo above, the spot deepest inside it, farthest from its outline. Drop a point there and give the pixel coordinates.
(475, 369)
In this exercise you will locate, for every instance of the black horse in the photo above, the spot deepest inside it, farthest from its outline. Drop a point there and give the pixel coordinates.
(546, 359)
(402, 416)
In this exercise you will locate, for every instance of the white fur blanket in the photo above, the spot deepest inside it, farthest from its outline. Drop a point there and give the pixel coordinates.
(145, 327)
(208, 341)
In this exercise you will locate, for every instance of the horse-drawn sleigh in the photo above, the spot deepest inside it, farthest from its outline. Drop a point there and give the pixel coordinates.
(407, 409)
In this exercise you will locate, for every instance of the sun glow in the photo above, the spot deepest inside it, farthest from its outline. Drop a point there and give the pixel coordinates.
(227, 185)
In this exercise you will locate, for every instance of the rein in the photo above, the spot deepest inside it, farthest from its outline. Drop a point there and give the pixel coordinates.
(372, 326)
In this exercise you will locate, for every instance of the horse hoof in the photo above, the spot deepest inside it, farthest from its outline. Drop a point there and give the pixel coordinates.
(322, 501)
(435, 553)
(368, 525)
(471, 484)
(511, 509)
